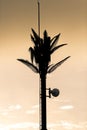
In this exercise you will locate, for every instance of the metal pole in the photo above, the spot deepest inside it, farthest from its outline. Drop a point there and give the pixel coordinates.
(43, 85)
(43, 103)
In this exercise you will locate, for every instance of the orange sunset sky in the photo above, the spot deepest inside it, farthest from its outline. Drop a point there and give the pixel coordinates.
(19, 86)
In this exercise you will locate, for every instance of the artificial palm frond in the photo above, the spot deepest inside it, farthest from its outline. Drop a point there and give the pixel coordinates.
(57, 47)
(57, 65)
(41, 52)
(49, 66)
(32, 38)
(35, 37)
(30, 65)
(35, 34)
(45, 35)
(32, 53)
(54, 40)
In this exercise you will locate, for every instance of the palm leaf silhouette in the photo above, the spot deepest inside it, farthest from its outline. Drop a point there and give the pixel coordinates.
(35, 38)
(54, 41)
(32, 54)
(45, 34)
(57, 47)
(41, 52)
(30, 65)
(57, 65)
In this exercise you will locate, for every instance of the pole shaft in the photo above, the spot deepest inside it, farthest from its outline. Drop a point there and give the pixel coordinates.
(43, 103)
(43, 85)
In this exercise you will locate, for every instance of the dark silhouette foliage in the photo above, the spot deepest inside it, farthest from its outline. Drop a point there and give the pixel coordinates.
(41, 53)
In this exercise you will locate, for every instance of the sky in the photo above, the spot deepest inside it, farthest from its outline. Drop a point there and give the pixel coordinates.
(19, 86)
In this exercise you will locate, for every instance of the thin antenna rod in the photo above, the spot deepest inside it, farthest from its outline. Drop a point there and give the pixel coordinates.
(38, 17)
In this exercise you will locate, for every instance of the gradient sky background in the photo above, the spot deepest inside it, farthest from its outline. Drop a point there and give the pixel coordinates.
(19, 86)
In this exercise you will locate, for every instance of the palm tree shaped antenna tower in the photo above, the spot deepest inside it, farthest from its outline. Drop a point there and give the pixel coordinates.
(40, 63)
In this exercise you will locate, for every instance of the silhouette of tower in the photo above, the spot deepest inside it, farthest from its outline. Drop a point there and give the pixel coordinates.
(40, 63)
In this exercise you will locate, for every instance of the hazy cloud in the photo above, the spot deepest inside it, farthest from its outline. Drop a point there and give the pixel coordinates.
(33, 109)
(64, 124)
(66, 107)
(10, 108)
(35, 106)
(30, 111)
(14, 107)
